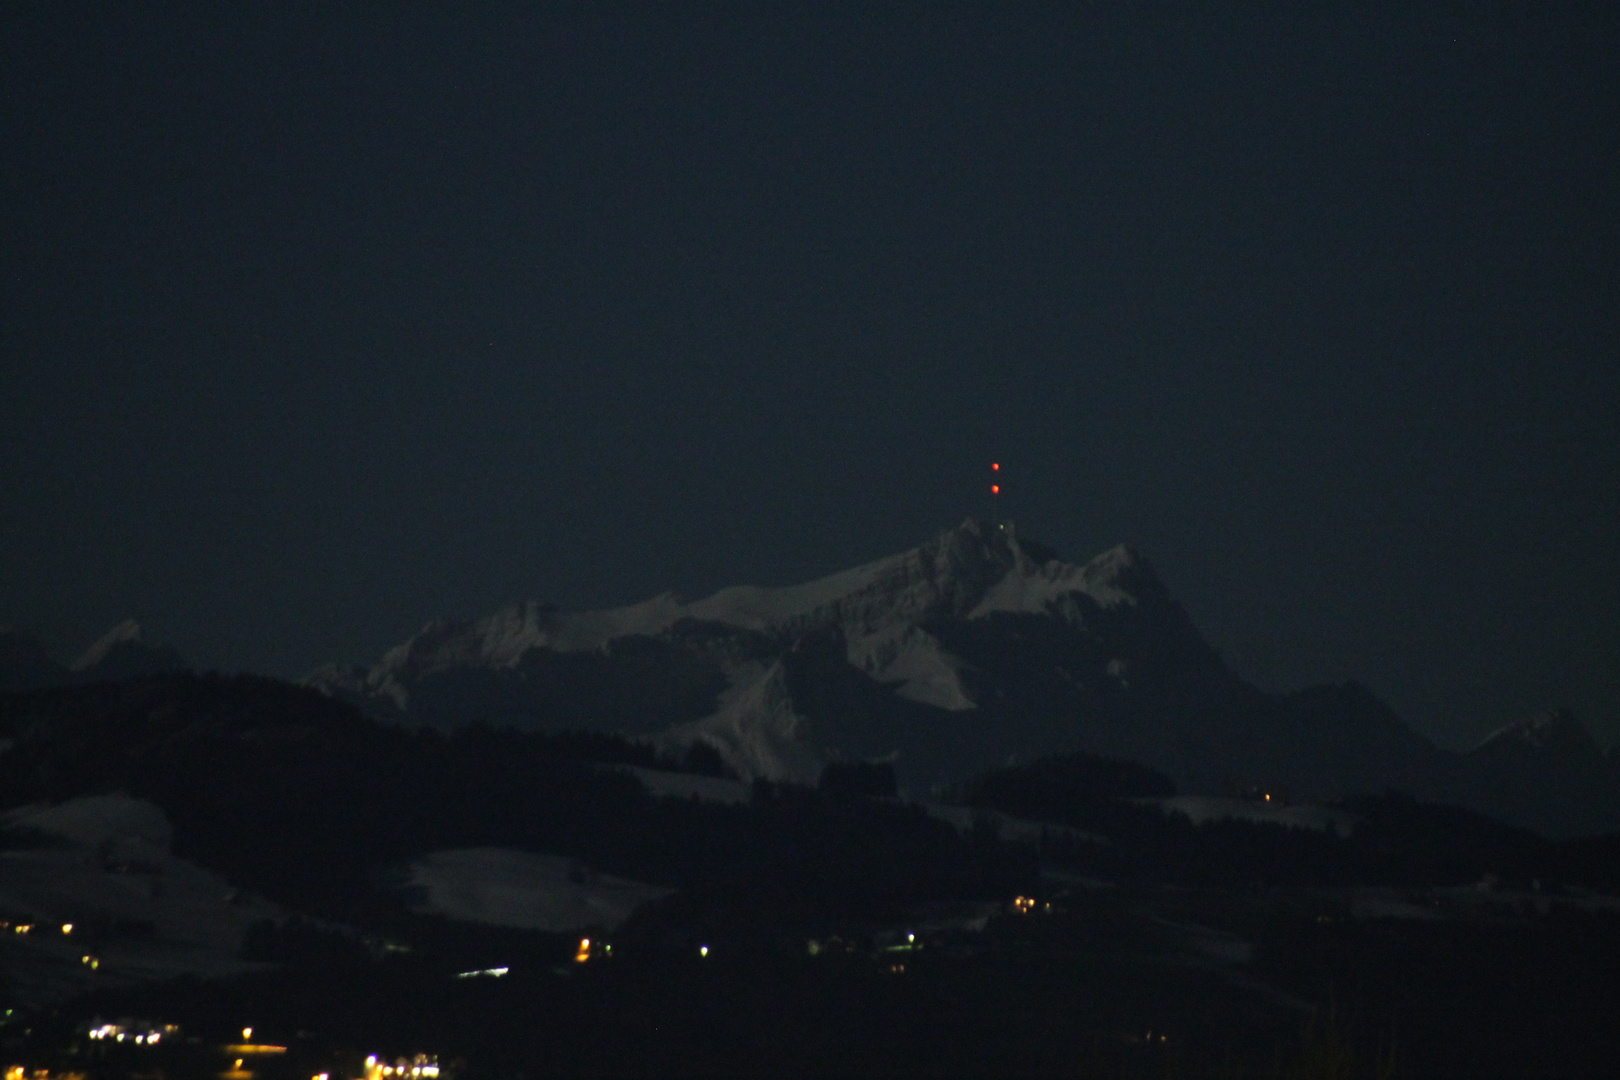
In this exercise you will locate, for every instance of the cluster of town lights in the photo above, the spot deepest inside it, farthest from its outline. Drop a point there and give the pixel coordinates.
(421, 1067)
(122, 1033)
(28, 928)
(592, 950)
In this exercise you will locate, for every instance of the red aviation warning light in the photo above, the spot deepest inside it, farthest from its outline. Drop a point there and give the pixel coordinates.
(995, 493)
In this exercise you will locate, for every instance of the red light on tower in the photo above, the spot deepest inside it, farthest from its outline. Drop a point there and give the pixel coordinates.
(995, 494)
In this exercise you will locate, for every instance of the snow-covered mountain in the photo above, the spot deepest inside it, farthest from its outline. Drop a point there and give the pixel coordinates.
(728, 668)
(123, 652)
(119, 654)
(1545, 772)
(879, 610)
(969, 651)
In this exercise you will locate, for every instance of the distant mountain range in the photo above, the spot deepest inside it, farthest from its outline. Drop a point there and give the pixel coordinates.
(120, 654)
(1077, 745)
(973, 650)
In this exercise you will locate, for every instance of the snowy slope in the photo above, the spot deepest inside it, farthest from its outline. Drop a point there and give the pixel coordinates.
(136, 909)
(504, 887)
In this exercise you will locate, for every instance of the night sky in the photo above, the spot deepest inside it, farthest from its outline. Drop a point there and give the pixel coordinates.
(322, 321)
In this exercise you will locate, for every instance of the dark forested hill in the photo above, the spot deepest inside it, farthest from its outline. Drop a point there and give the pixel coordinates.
(287, 791)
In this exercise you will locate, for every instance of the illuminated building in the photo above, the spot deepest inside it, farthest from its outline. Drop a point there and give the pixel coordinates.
(130, 1032)
(592, 950)
(420, 1067)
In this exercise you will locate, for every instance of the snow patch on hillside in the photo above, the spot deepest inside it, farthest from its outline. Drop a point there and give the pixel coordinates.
(97, 820)
(913, 659)
(1201, 809)
(749, 607)
(660, 783)
(115, 869)
(127, 632)
(521, 889)
(756, 729)
(1050, 588)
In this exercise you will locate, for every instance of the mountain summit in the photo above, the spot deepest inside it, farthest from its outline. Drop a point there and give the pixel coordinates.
(121, 653)
(972, 650)
(880, 611)
(124, 652)
(900, 637)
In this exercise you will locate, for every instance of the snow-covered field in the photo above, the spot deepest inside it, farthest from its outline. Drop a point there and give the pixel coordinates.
(676, 785)
(503, 887)
(1202, 808)
(136, 911)
(1009, 828)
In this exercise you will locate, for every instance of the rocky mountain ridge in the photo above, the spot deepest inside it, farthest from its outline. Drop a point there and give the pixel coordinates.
(975, 649)
(121, 653)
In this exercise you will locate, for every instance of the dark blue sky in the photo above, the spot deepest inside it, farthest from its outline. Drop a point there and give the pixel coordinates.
(321, 321)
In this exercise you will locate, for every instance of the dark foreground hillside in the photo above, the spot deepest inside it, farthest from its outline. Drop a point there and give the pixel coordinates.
(1107, 984)
(810, 932)
(297, 796)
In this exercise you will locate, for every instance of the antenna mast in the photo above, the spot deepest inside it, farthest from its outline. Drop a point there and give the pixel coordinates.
(995, 493)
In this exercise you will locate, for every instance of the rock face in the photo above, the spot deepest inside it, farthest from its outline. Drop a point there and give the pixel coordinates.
(972, 650)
